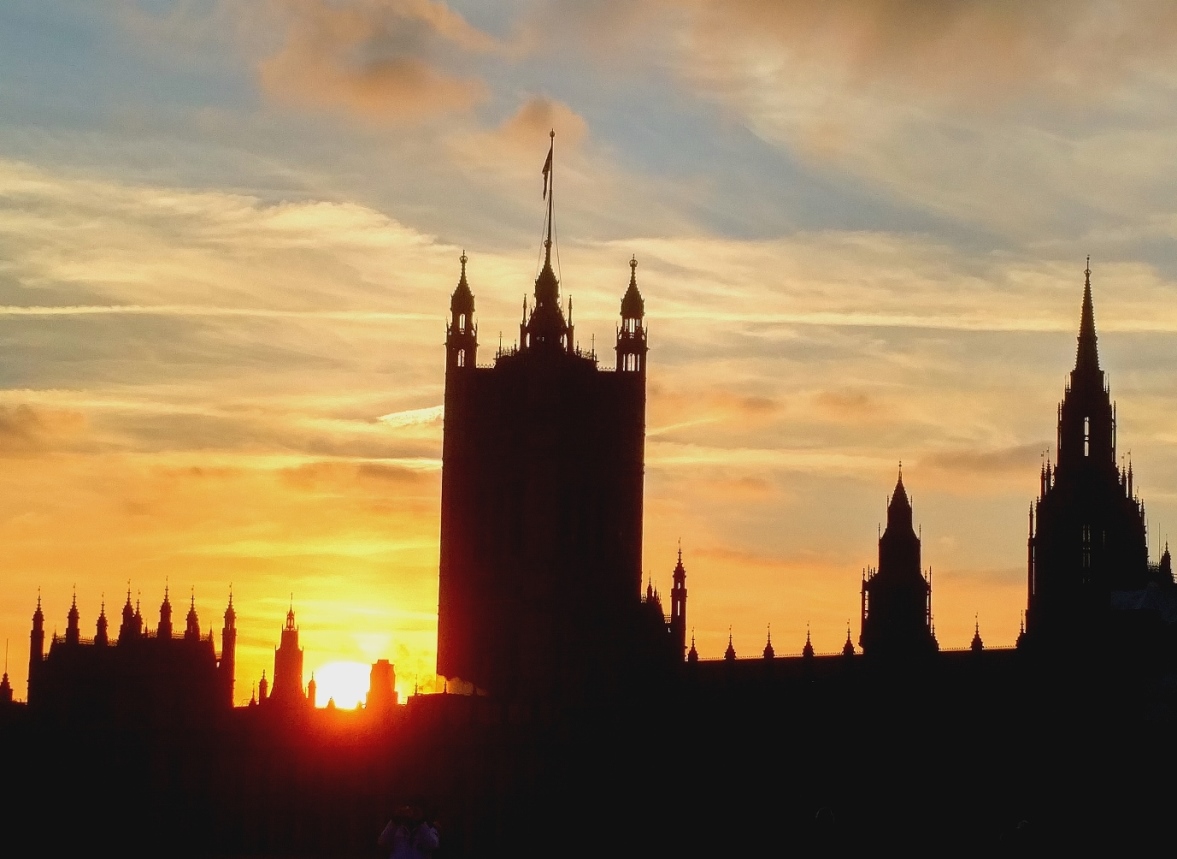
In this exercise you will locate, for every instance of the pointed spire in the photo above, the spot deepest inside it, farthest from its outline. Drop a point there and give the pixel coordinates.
(977, 644)
(730, 653)
(633, 306)
(692, 654)
(848, 647)
(462, 301)
(899, 507)
(769, 653)
(807, 650)
(1087, 354)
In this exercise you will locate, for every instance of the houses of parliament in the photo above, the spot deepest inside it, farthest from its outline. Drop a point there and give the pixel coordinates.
(590, 704)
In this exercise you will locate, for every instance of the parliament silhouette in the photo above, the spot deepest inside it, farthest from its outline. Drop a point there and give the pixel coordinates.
(589, 717)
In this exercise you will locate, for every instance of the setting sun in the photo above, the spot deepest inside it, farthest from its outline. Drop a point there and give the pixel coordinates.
(345, 683)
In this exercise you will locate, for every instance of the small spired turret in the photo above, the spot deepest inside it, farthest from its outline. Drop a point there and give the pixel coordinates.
(192, 625)
(165, 616)
(977, 644)
(692, 654)
(729, 655)
(848, 647)
(72, 631)
(461, 340)
(631, 336)
(807, 650)
(127, 630)
(769, 653)
(101, 636)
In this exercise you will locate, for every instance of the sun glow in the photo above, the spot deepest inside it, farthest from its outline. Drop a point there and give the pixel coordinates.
(346, 683)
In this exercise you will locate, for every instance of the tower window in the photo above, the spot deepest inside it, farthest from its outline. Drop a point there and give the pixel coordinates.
(1087, 547)
(1086, 436)
(461, 357)
(462, 322)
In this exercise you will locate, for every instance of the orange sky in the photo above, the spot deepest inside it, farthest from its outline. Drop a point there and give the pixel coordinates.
(226, 252)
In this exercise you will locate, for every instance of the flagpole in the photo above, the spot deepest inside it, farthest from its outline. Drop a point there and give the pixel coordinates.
(551, 193)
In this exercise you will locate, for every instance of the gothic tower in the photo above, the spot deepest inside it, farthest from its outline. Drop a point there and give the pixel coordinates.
(1087, 528)
(678, 608)
(896, 598)
(541, 500)
(36, 648)
(288, 665)
(227, 665)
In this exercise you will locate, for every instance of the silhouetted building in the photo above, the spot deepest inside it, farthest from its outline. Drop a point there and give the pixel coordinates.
(144, 675)
(541, 510)
(1087, 528)
(382, 686)
(896, 597)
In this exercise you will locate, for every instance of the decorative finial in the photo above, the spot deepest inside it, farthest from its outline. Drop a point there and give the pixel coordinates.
(463, 260)
(552, 134)
(1087, 271)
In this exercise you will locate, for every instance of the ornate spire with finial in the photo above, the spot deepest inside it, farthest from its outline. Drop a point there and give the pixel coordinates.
(977, 644)
(730, 653)
(769, 653)
(848, 647)
(692, 654)
(807, 650)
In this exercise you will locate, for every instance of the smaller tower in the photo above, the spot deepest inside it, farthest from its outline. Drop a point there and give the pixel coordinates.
(631, 336)
(101, 638)
(769, 653)
(192, 625)
(165, 616)
(263, 689)
(807, 650)
(73, 633)
(977, 644)
(729, 655)
(848, 647)
(312, 690)
(692, 654)
(678, 607)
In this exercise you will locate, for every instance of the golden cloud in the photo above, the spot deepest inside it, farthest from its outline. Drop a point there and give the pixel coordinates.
(374, 59)
(26, 430)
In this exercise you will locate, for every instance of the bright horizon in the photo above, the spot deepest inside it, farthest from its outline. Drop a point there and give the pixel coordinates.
(229, 232)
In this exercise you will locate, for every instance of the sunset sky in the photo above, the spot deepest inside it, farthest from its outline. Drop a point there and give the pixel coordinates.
(229, 230)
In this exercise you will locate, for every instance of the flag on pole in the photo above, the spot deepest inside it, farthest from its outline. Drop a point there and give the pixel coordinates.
(548, 166)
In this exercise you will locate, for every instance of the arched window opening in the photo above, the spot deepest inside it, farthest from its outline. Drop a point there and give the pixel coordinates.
(1086, 436)
(461, 357)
